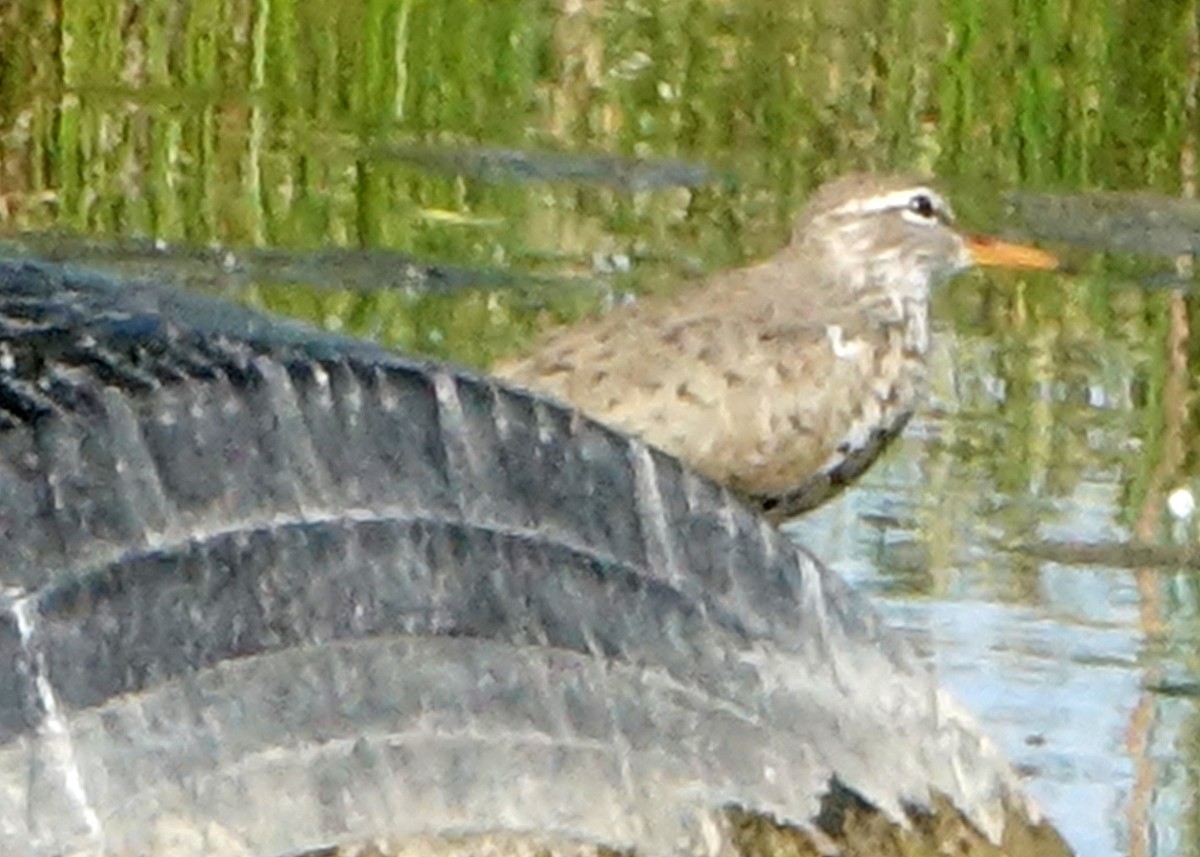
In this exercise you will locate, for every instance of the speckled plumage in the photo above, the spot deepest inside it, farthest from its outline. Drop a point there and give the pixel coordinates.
(786, 379)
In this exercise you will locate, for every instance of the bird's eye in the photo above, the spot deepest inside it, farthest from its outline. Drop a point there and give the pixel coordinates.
(922, 205)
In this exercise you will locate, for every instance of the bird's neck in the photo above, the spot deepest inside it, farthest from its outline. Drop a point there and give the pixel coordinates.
(906, 316)
(871, 291)
(916, 327)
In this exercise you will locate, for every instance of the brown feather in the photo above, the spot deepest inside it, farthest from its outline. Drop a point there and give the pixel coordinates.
(783, 380)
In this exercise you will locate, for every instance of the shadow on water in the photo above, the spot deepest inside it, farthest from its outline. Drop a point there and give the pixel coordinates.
(1112, 222)
(230, 271)
(494, 165)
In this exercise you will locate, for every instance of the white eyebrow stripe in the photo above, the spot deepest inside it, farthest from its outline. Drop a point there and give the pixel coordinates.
(913, 217)
(891, 201)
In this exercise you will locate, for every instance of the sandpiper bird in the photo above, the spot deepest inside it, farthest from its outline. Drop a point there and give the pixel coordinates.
(784, 380)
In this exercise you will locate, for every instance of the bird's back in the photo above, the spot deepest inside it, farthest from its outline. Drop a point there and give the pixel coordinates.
(757, 383)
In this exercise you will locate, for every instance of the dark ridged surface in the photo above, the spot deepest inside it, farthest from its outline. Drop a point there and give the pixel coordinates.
(286, 590)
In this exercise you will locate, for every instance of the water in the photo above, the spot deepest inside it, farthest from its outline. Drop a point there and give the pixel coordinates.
(269, 151)
(1058, 661)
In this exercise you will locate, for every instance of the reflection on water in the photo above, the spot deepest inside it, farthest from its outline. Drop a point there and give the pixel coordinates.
(1056, 660)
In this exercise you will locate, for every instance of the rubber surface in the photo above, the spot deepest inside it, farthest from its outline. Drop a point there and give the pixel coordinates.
(266, 589)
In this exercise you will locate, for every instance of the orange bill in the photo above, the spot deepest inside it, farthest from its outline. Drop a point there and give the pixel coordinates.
(993, 253)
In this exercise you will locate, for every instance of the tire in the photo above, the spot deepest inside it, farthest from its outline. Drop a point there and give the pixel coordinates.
(266, 590)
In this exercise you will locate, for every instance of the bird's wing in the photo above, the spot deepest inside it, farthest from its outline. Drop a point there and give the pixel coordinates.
(659, 343)
(747, 393)
(642, 340)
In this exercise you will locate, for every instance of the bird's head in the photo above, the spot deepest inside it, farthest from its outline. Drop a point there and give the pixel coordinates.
(895, 235)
